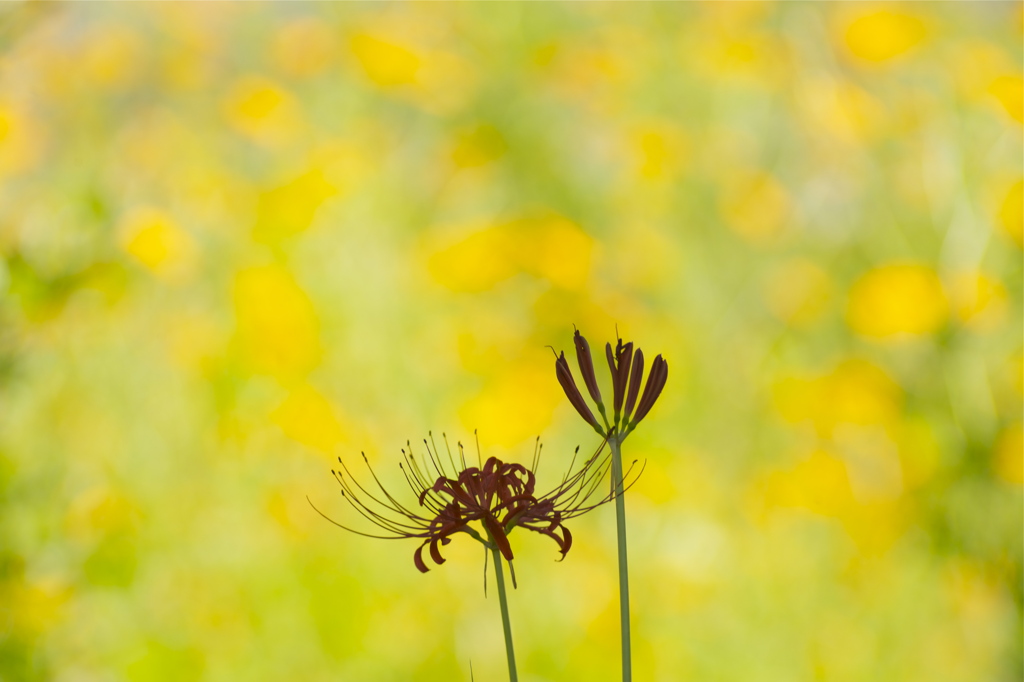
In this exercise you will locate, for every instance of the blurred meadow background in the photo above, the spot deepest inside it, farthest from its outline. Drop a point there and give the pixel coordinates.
(239, 240)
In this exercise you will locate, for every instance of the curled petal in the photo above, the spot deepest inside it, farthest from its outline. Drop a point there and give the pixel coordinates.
(620, 375)
(572, 393)
(417, 558)
(435, 553)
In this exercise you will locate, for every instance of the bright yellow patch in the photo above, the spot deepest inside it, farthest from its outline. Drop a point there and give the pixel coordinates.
(1009, 90)
(385, 63)
(552, 248)
(290, 208)
(20, 140)
(277, 327)
(1009, 454)
(515, 404)
(855, 392)
(979, 301)
(307, 417)
(819, 484)
(880, 36)
(899, 300)
(153, 239)
(1011, 213)
(260, 108)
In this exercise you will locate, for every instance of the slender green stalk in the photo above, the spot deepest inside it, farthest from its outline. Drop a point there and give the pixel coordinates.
(620, 526)
(503, 600)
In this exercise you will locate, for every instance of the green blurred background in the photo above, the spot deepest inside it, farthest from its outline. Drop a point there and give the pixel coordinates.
(240, 240)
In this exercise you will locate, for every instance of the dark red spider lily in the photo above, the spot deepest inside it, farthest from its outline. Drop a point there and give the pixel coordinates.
(500, 496)
(627, 371)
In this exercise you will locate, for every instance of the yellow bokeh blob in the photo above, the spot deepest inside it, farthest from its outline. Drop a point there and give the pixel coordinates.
(979, 301)
(1011, 213)
(304, 47)
(1009, 454)
(552, 248)
(307, 416)
(819, 484)
(882, 35)
(515, 404)
(1009, 90)
(277, 326)
(261, 109)
(386, 63)
(20, 139)
(112, 56)
(855, 392)
(756, 208)
(798, 291)
(290, 208)
(898, 300)
(153, 239)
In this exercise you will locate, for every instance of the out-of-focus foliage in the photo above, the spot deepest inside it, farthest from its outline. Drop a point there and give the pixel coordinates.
(240, 240)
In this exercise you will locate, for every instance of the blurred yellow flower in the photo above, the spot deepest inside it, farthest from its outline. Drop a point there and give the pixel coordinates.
(290, 208)
(1011, 213)
(277, 326)
(659, 149)
(819, 484)
(798, 291)
(1009, 454)
(153, 239)
(979, 301)
(1009, 90)
(304, 47)
(261, 109)
(516, 403)
(893, 301)
(757, 207)
(552, 248)
(386, 63)
(112, 55)
(855, 392)
(306, 416)
(882, 35)
(34, 606)
(847, 113)
(21, 139)
(478, 146)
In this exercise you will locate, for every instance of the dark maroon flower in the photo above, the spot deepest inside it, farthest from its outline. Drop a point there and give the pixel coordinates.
(627, 371)
(497, 496)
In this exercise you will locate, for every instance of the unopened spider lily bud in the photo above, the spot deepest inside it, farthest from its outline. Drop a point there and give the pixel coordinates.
(587, 368)
(573, 393)
(655, 382)
(636, 377)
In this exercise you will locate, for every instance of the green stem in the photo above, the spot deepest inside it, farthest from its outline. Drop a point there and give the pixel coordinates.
(620, 525)
(503, 600)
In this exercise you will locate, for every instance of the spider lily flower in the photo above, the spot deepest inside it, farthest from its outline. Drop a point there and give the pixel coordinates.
(627, 372)
(496, 496)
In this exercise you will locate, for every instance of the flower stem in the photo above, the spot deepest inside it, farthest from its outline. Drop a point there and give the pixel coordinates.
(503, 600)
(620, 525)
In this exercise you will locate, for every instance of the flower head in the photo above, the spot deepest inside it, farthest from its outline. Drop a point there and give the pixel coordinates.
(497, 496)
(627, 370)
